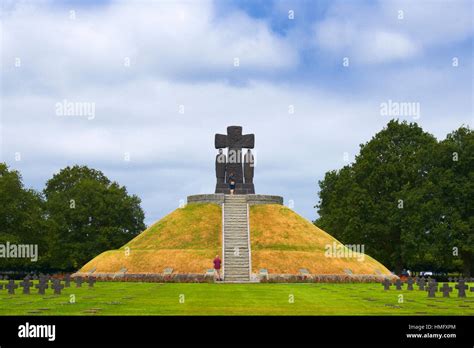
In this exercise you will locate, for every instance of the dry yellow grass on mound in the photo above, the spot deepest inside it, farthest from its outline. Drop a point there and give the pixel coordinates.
(283, 242)
(188, 239)
(153, 261)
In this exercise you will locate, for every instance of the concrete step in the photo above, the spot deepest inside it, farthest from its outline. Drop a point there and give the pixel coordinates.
(236, 268)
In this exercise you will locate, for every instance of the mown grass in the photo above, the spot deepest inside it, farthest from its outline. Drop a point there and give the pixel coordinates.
(116, 298)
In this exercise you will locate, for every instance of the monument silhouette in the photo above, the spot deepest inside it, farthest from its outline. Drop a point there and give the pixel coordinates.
(231, 165)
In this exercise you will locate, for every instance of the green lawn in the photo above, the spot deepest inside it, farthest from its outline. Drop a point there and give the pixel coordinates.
(115, 298)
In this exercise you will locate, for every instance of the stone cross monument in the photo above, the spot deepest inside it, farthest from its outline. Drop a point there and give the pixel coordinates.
(231, 165)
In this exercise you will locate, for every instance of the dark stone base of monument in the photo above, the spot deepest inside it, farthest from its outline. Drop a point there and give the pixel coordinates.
(240, 189)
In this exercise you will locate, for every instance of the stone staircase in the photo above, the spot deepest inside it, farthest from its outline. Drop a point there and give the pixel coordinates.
(237, 259)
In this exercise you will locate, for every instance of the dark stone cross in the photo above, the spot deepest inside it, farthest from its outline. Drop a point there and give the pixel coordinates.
(446, 289)
(462, 287)
(57, 286)
(26, 284)
(232, 166)
(410, 283)
(432, 289)
(91, 281)
(41, 286)
(43, 278)
(398, 284)
(386, 284)
(11, 286)
(67, 280)
(79, 282)
(421, 284)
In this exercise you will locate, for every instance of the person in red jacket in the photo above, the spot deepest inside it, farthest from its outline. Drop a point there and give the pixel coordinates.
(217, 267)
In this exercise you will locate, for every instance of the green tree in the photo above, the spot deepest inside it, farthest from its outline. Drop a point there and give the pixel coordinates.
(374, 201)
(90, 214)
(22, 220)
(453, 196)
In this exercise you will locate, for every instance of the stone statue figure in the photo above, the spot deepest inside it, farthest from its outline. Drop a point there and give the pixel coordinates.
(235, 141)
(221, 162)
(248, 167)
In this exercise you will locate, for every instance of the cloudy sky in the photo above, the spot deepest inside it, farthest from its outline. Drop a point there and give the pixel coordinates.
(307, 77)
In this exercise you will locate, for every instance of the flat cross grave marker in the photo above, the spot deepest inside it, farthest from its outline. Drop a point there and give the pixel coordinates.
(67, 280)
(41, 286)
(57, 286)
(462, 287)
(11, 286)
(79, 282)
(446, 289)
(386, 284)
(432, 289)
(421, 284)
(399, 284)
(91, 281)
(26, 284)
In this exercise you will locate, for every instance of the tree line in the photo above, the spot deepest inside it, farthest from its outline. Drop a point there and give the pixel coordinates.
(79, 214)
(408, 198)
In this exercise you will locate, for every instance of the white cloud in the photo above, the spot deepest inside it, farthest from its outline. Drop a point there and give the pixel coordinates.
(161, 39)
(181, 54)
(389, 31)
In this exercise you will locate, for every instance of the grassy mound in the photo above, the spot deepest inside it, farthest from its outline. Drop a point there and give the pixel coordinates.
(188, 239)
(283, 242)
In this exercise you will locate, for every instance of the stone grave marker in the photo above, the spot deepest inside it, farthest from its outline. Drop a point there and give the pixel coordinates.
(410, 283)
(26, 284)
(67, 280)
(41, 286)
(11, 286)
(432, 289)
(91, 281)
(386, 284)
(462, 287)
(43, 278)
(421, 284)
(446, 289)
(57, 286)
(79, 282)
(399, 284)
